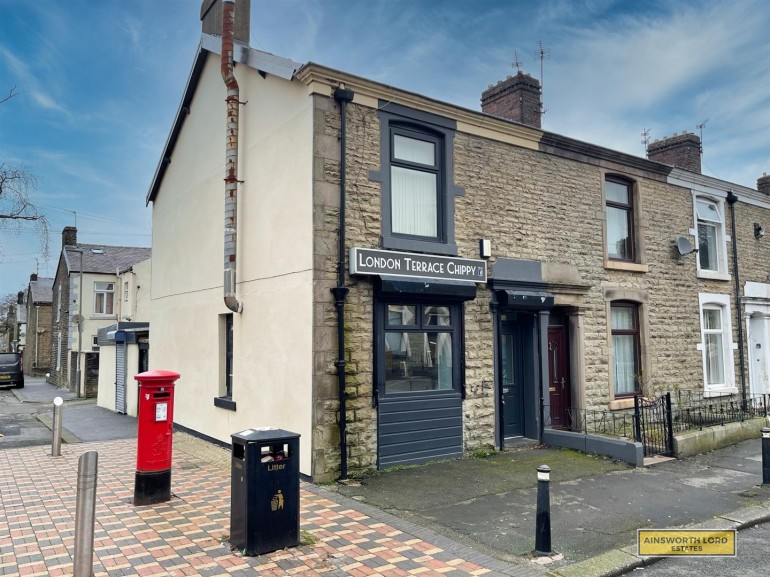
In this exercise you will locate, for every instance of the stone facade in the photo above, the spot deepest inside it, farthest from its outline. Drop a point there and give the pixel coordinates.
(538, 205)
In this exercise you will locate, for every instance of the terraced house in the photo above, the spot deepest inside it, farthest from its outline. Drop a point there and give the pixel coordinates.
(404, 280)
(85, 297)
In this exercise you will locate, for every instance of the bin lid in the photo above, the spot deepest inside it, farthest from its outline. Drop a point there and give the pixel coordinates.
(263, 434)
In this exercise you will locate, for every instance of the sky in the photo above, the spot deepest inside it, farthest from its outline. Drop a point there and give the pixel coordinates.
(97, 85)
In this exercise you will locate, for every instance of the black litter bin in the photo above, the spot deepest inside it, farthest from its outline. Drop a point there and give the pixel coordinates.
(264, 511)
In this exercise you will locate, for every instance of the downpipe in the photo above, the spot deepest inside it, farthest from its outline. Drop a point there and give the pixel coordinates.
(731, 200)
(342, 96)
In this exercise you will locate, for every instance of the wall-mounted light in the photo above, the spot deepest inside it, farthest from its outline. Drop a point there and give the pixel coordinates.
(759, 230)
(485, 248)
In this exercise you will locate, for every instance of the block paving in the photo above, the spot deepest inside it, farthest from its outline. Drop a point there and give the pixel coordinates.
(188, 535)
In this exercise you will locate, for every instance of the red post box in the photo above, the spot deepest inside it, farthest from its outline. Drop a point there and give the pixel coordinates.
(154, 437)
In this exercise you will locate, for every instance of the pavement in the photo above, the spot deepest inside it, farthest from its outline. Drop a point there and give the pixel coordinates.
(467, 517)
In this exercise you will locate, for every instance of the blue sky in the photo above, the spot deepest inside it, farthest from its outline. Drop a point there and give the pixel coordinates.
(98, 84)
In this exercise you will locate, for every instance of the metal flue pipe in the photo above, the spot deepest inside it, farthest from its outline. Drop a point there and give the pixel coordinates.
(231, 156)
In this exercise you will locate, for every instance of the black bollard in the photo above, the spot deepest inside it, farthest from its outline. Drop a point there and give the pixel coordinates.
(543, 519)
(766, 456)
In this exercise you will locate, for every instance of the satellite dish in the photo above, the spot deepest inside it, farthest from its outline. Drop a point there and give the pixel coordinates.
(684, 247)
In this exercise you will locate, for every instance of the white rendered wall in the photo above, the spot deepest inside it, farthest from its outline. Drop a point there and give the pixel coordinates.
(272, 363)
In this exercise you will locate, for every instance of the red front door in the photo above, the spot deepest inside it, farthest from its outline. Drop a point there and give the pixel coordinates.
(558, 374)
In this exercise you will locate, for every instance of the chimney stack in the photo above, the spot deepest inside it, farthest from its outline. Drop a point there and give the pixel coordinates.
(211, 18)
(763, 184)
(682, 151)
(516, 98)
(69, 236)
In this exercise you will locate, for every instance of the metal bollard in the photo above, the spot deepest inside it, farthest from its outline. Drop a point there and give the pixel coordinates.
(85, 513)
(56, 443)
(543, 519)
(766, 456)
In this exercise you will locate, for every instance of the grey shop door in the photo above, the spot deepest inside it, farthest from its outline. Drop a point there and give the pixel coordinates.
(120, 378)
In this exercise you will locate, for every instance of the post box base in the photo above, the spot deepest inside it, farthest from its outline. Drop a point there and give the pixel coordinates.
(152, 487)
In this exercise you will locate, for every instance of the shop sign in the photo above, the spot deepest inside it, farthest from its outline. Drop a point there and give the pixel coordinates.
(387, 262)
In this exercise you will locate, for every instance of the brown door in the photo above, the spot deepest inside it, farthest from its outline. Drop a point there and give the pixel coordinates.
(558, 373)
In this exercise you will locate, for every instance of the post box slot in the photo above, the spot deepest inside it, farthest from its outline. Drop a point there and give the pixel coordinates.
(238, 451)
(161, 395)
(275, 452)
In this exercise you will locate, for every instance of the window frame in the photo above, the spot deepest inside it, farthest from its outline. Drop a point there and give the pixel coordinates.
(397, 119)
(226, 349)
(637, 334)
(436, 169)
(629, 208)
(711, 301)
(421, 326)
(105, 292)
(721, 272)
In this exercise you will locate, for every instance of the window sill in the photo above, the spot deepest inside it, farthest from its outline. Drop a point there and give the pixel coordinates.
(224, 403)
(618, 404)
(626, 266)
(415, 245)
(713, 275)
(710, 394)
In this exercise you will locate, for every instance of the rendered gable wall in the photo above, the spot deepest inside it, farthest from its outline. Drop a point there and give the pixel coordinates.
(272, 336)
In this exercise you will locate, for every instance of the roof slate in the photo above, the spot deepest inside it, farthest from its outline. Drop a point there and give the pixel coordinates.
(112, 260)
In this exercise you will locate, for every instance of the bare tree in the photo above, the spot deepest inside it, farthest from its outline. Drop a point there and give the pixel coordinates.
(16, 208)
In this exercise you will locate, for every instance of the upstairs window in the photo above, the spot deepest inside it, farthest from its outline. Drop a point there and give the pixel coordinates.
(619, 210)
(104, 296)
(709, 216)
(415, 172)
(418, 190)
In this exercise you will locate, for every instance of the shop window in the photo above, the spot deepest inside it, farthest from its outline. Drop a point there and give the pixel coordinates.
(416, 176)
(104, 296)
(419, 348)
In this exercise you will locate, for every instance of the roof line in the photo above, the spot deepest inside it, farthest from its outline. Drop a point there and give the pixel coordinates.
(242, 54)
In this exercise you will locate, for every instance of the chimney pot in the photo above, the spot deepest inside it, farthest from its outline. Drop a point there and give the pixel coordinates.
(680, 150)
(211, 18)
(69, 236)
(763, 184)
(516, 98)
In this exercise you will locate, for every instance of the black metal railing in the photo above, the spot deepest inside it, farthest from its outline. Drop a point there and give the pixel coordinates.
(653, 425)
(592, 422)
(691, 410)
(653, 422)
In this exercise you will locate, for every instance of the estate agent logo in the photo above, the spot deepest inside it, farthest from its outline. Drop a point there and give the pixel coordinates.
(694, 542)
